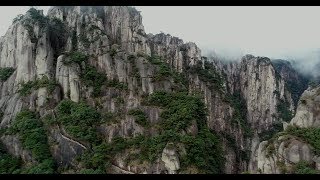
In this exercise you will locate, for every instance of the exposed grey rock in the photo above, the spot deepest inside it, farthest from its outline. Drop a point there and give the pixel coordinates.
(121, 29)
(307, 114)
(68, 77)
(170, 158)
(14, 147)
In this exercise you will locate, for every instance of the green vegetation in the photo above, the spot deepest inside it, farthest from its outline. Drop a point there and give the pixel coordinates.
(58, 35)
(116, 84)
(181, 79)
(33, 137)
(74, 40)
(310, 135)
(119, 100)
(45, 167)
(204, 151)
(35, 17)
(296, 83)
(268, 134)
(140, 117)
(5, 73)
(90, 76)
(76, 57)
(79, 120)
(283, 109)
(282, 167)
(180, 109)
(208, 74)
(135, 70)
(240, 112)
(18, 18)
(89, 31)
(270, 150)
(83, 38)
(8, 163)
(140, 32)
(91, 171)
(32, 134)
(163, 73)
(113, 52)
(163, 70)
(27, 88)
(304, 167)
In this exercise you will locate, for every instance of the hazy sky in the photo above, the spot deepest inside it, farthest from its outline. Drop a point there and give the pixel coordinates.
(265, 31)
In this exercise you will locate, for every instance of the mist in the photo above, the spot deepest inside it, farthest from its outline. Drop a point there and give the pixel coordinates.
(230, 32)
(276, 32)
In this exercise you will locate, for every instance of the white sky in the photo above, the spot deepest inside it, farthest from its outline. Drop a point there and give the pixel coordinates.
(265, 31)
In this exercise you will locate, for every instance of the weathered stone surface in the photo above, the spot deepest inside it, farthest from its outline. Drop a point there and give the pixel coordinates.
(100, 30)
(170, 158)
(307, 114)
(15, 148)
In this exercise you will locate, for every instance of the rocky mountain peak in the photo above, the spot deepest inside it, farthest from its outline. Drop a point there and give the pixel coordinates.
(123, 101)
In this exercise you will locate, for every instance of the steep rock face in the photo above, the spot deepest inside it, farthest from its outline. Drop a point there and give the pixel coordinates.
(170, 159)
(295, 81)
(307, 114)
(256, 81)
(110, 37)
(68, 77)
(258, 84)
(287, 152)
(280, 154)
(14, 147)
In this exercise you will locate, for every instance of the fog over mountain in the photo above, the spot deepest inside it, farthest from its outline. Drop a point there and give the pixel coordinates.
(127, 90)
(230, 32)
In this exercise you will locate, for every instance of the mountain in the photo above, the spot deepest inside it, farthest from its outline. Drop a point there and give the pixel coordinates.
(296, 148)
(87, 90)
(295, 81)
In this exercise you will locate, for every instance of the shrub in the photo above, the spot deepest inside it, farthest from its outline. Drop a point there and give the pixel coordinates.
(5, 73)
(304, 167)
(44, 167)
(240, 112)
(208, 74)
(91, 77)
(36, 16)
(18, 18)
(91, 171)
(31, 134)
(76, 57)
(283, 110)
(33, 137)
(28, 87)
(140, 117)
(116, 84)
(8, 163)
(99, 159)
(113, 52)
(163, 73)
(204, 151)
(79, 120)
(310, 135)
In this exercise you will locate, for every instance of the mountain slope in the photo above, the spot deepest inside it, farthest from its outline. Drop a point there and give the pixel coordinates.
(102, 96)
